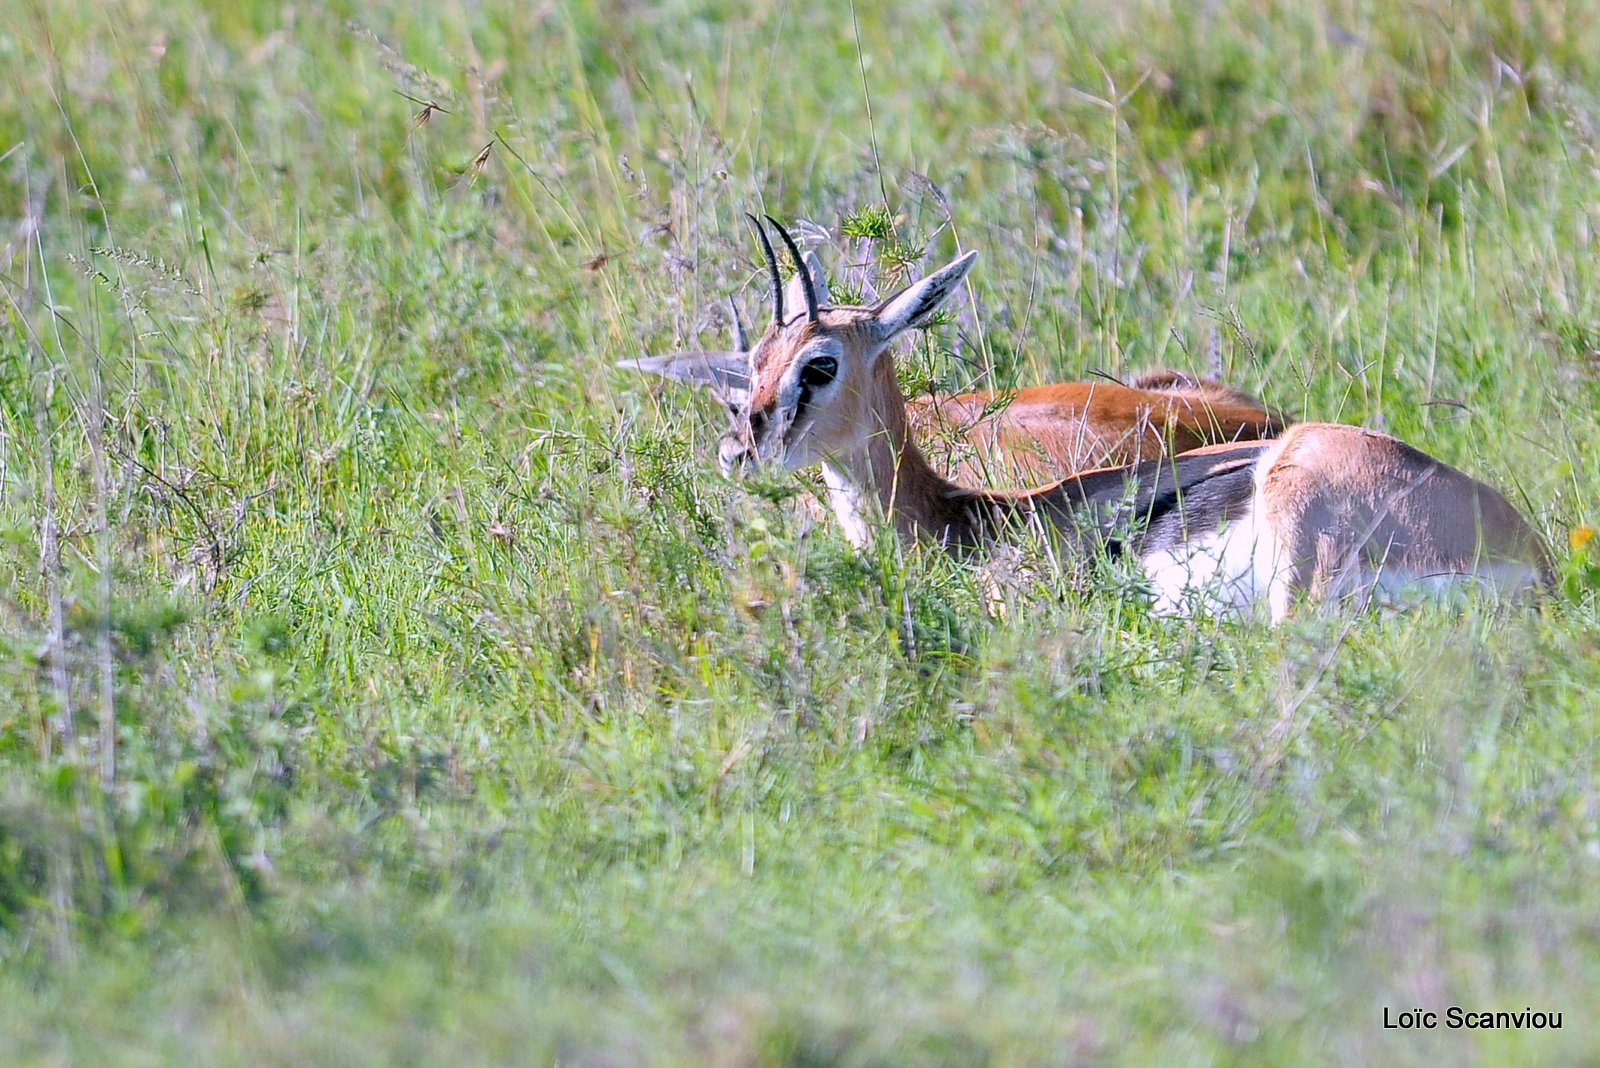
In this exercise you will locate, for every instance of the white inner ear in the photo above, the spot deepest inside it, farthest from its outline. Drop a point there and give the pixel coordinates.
(913, 304)
(794, 295)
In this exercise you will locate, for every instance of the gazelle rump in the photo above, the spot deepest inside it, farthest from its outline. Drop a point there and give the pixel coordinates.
(1325, 511)
(1024, 437)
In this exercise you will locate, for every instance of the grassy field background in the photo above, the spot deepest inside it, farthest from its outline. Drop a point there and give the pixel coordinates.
(386, 679)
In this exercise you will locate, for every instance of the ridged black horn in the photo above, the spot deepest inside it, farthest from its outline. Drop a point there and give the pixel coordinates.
(772, 268)
(806, 284)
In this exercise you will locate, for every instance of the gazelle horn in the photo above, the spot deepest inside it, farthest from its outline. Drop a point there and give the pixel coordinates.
(772, 268)
(807, 286)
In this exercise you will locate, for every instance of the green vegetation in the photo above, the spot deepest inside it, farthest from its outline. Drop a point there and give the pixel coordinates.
(386, 679)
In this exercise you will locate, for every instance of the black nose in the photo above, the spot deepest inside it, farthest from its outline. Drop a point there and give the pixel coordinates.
(758, 425)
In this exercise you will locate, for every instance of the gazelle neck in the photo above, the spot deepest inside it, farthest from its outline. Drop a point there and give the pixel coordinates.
(891, 469)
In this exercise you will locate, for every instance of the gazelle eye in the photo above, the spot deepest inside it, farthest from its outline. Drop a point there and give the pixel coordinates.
(819, 372)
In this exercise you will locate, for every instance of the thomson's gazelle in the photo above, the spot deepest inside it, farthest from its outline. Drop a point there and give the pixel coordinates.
(1032, 435)
(1325, 510)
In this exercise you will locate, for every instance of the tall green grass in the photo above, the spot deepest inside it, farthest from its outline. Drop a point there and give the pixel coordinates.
(386, 679)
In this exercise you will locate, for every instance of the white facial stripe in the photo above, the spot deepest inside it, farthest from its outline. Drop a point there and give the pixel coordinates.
(790, 389)
(788, 424)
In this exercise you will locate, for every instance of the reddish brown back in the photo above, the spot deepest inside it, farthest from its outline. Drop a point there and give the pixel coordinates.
(1043, 433)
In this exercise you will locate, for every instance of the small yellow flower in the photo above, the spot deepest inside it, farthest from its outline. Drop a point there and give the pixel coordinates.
(1580, 536)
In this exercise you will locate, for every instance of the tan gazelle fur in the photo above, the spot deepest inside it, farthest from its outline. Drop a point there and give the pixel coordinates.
(1324, 511)
(1023, 437)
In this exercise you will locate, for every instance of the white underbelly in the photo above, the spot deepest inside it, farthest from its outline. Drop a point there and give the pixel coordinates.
(1237, 568)
(1233, 569)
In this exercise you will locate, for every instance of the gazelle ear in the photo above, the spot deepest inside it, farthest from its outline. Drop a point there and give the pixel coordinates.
(727, 374)
(794, 294)
(913, 304)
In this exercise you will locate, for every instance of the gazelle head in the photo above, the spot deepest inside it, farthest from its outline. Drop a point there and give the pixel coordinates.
(818, 380)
